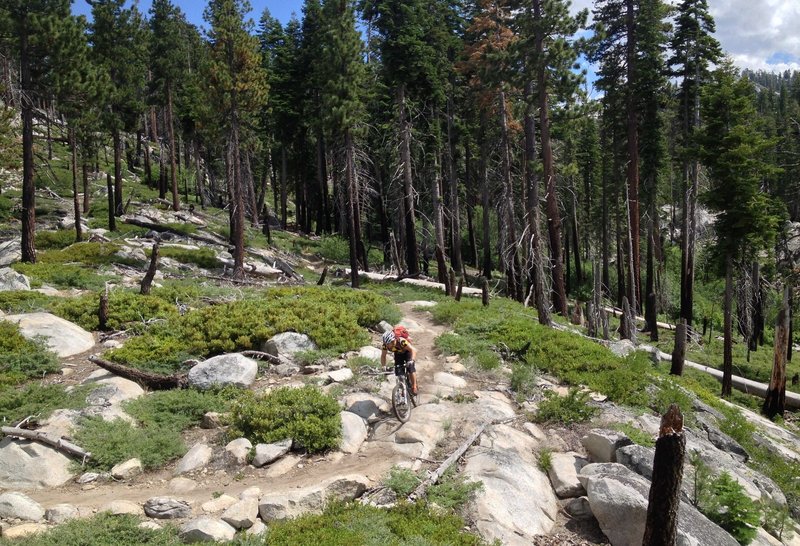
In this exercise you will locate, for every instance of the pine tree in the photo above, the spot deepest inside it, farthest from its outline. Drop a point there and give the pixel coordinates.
(732, 147)
(238, 90)
(118, 38)
(694, 50)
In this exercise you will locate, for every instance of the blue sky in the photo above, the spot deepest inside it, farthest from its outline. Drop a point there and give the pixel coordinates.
(280, 9)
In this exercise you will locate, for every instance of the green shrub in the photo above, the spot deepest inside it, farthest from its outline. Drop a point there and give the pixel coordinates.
(17, 403)
(62, 275)
(335, 248)
(544, 459)
(178, 408)
(125, 308)
(306, 415)
(46, 240)
(566, 410)
(88, 254)
(350, 524)
(113, 442)
(203, 257)
(104, 529)
(22, 358)
(25, 301)
(728, 506)
(402, 481)
(777, 520)
(636, 435)
(453, 490)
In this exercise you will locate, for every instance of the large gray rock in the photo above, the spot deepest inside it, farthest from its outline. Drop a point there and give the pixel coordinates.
(563, 474)
(195, 458)
(24, 530)
(516, 501)
(127, 470)
(62, 337)
(312, 499)
(621, 496)
(120, 507)
(112, 389)
(354, 432)
(623, 347)
(16, 505)
(243, 514)
(339, 376)
(719, 439)
(61, 513)
(31, 465)
(167, 508)
(288, 343)
(206, 529)
(449, 380)
(11, 280)
(370, 352)
(219, 371)
(365, 405)
(637, 458)
(602, 445)
(239, 449)
(267, 453)
(10, 252)
(223, 502)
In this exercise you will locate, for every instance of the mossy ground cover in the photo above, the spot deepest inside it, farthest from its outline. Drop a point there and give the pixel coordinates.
(334, 318)
(22, 358)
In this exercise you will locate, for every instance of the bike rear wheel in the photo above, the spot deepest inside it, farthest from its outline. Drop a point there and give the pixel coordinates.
(401, 402)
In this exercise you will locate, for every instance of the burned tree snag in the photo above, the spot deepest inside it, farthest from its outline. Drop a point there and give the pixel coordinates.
(112, 221)
(775, 400)
(102, 312)
(147, 281)
(679, 353)
(485, 293)
(661, 528)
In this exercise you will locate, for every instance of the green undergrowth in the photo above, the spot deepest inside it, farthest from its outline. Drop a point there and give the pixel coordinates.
(309, 417)
(400, 292)
(37, 400)
(349, 524)
(22, 358)
(126, 309)
(47, 240)
(451, 492)
(334, 318)
(575, 407)
(203, 257)
(179, 408)
(103, 529)
(25, 301)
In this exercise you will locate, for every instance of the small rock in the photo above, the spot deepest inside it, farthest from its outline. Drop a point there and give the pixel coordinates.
(211, 420)
(127, 470)
(250, 492)
(229, 369)
(239, 449)
(167, 508)
(288, 343)
(287, 369)
(150, 526)
(449, 380)
(11, 280)
(61, 513)
(16, 505)
(602, 445)
(563, 474)
(578, 508)
(206, 529)
(267, 453)
(243, 514)
(354, 432)
(223, 502)
(368, 351)
(66, 372)
(384, 327)
(282, 467)
(120, 507)
(196, 458)
(24, 530)
(257, 529)
(88, 477)
(340, 376)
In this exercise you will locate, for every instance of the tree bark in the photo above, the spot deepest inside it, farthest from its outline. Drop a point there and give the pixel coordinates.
(775, 399)
(147, 281)
(679, 352)
(85, 177)
(146, 379)
(28, 183)
(351, 208)
(412, 254)
(485, 202)
(117, 143)
(635, 283)
(661, 527)
(284, 188)
(76, 203)
(756, 306)
(727, 352)
(112, 219)
(102, 312)
(455, 209)
(176, 204)
(509, 255)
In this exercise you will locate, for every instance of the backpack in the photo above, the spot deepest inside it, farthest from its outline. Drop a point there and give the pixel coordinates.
(401, 332)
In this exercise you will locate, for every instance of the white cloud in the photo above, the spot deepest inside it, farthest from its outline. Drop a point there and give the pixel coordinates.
(756, 34)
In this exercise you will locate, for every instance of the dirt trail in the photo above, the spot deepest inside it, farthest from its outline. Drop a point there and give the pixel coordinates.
(373, 460)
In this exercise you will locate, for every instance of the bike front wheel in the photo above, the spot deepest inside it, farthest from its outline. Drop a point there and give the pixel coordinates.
(400, 401)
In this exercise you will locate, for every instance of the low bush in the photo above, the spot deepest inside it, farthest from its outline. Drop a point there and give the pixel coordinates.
(306, 415)
(349, 524)
(203, 257)
(46, 240)
(334, 318)
(17, 403)
(565, 410)
(104, 529)
(335, 248)
(25, 301)
(452, 491)
(179, 408)
(125, 309)
(62, 275)
(544, 459)
(727, 505)
(113, 442)
(22, 358)
(402, 481)
(88, 254)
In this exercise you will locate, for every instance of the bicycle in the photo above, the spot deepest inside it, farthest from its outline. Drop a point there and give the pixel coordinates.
(403, 399)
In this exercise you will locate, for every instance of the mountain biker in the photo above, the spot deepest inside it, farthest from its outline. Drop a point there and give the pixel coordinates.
(403, 351)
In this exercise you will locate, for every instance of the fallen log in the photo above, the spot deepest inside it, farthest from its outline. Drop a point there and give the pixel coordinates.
(152, 381)
(434, 477)
(55, 441)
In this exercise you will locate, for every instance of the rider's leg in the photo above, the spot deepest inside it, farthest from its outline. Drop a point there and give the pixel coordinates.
(413, 377)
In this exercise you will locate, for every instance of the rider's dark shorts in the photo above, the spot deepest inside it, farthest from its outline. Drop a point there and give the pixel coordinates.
(404, 358)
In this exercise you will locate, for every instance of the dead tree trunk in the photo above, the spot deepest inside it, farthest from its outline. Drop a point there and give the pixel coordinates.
(76, 204)
(147, 281)
(102, 312)
(679, 353)
(727, 351)
(146, 379)
(775, 400)
(485, 293)
(627, 327)
(112, 221)
(661, 528)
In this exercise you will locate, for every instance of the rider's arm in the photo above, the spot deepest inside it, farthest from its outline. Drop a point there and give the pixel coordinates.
(383, 358)
(413, 352)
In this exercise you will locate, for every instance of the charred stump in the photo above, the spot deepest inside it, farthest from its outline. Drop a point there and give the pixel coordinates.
(679, 352)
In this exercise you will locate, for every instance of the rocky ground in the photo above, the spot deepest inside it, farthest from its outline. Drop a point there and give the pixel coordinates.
(594, 492)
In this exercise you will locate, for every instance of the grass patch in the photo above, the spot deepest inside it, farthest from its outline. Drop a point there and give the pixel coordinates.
(25, 301)
(22, 358)
(334, 318)
(452, 491)
(636, 435)
(17, 403)
(565, 410)
(349, 524)
(103, 529)
(114, 442)
(306, 415)
(179, 408)
(62, 276)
